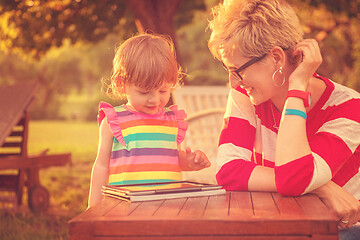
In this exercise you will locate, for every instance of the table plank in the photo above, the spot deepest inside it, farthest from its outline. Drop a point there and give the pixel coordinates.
(264, 205)
(194, 207)
(288, 207)
(217, 206)
(171, 208)
(83, 225)
(122, 209)
(315, 209)
(146, 209)
(100, 209)
(241, 204)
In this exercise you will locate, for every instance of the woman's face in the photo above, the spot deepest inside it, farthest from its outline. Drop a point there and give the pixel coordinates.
(257, 78)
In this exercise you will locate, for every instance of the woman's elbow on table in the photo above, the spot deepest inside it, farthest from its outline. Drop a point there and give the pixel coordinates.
(234, 175)
(293, 178)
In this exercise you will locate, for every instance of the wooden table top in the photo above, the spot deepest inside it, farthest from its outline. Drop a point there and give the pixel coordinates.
(236, 215)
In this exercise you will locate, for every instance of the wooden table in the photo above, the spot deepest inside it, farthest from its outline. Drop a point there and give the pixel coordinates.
(236, 215)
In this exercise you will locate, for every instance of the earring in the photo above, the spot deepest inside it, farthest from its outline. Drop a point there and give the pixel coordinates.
(280, 72)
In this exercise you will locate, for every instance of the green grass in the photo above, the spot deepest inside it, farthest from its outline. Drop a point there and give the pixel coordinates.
(68, 186)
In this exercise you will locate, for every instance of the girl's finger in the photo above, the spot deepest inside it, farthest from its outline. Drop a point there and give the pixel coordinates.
(197, 157)
(188, 150)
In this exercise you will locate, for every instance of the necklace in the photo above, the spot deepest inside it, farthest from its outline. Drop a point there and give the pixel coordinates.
(272, 112)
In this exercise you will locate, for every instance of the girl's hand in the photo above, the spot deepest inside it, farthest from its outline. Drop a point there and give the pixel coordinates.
(311, 60)
(196, 160)
(341, 203)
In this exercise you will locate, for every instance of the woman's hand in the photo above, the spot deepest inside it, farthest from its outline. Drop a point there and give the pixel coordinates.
(311, 60)
(341, 203)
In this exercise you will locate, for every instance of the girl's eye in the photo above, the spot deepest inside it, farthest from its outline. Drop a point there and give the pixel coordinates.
(163, 91)
(143, 93)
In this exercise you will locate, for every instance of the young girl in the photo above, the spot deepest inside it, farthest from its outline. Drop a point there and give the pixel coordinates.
(138, 141)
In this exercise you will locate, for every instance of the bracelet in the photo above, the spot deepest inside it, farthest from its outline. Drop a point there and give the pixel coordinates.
(295, 112)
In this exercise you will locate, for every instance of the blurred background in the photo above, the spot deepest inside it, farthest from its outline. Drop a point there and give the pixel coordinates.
(68, 46)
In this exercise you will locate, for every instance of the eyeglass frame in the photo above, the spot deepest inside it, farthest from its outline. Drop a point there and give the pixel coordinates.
(237, 71)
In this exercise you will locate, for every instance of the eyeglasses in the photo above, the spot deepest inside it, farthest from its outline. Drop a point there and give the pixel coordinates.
(237, 71)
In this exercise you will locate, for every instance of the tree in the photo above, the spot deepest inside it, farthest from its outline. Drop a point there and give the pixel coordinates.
(34, 26)
(335, 24)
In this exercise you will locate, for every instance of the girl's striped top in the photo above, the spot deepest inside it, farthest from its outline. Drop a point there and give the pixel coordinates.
(248, 139)
(145, 147)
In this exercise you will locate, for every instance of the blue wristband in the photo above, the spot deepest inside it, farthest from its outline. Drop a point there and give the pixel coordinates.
(295, 112)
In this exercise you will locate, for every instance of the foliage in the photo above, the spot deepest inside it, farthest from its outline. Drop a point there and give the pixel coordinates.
(71, 75)
(35, 26)
(335, 24)
(201, 66)
(63, 72)
(351, 8)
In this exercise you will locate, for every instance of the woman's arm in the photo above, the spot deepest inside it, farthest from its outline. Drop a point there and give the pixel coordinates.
(100, 170)
(236, 143)
(303, 165)
(262, 179)
(340, 202)
(292, 142)
(294, 161)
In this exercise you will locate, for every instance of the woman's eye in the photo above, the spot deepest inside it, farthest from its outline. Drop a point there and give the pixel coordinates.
(163, 91)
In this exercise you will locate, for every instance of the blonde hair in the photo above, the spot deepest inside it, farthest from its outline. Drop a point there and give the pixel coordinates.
(145, 60)
(254, 27)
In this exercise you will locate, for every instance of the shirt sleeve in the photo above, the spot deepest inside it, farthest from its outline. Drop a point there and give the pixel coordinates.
(234, 165)
(333, 146)
(180, 116)
(105, 109)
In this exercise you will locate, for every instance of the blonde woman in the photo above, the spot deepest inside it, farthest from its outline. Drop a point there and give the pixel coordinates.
(286, 129)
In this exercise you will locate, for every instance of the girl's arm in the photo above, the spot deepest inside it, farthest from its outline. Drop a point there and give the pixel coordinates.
(100, 170)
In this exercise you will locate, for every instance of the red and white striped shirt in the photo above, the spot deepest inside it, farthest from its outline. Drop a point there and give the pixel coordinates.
(249, 134)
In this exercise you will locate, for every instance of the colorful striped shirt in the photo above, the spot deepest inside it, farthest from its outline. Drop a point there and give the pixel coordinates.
(248, 139)
(145, 147)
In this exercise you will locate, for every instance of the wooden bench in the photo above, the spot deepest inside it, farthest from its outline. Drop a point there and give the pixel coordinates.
(205, 107)
(17, 168)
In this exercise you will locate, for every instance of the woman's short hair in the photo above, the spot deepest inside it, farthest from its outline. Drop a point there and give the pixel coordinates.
(254, 27)
(145, 60)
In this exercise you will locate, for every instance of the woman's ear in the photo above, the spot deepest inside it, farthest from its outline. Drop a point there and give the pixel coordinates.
(278, 55)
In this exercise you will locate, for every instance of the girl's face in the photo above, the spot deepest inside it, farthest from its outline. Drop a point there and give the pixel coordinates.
(257, 81)
(147, 101)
